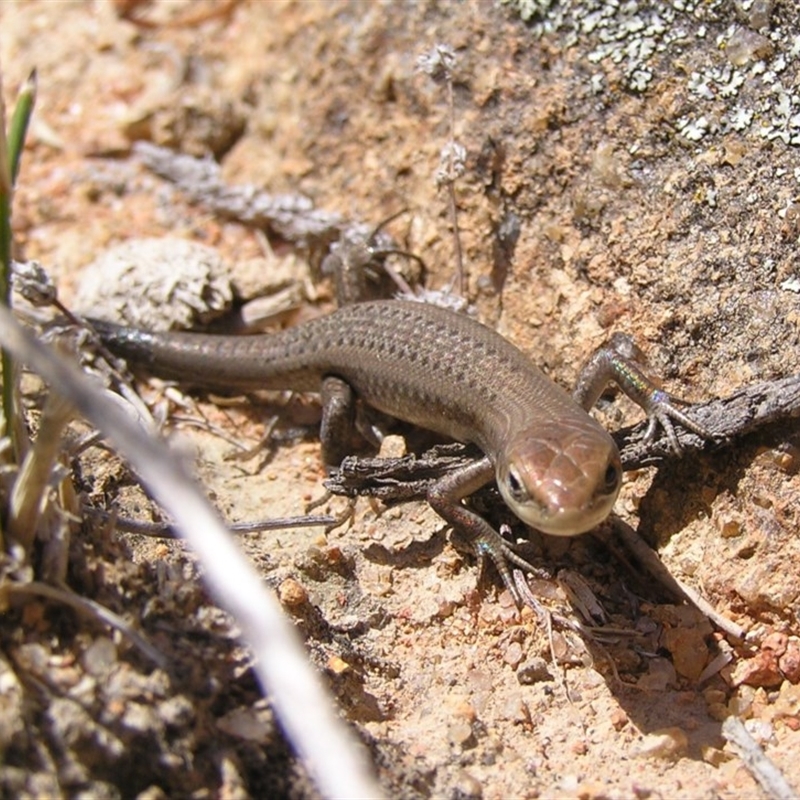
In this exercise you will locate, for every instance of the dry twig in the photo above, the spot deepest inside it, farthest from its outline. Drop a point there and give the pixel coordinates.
(755, 760)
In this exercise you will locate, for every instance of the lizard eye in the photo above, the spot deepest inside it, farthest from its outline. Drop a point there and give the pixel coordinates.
(612, 478)
(516, 488)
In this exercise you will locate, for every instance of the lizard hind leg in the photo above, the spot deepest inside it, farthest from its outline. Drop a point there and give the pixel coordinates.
(338, 420)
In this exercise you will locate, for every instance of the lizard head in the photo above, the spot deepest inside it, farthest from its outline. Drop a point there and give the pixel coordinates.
(561, 478)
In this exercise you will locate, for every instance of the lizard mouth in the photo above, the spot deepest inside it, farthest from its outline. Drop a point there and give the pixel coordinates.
(561, 520)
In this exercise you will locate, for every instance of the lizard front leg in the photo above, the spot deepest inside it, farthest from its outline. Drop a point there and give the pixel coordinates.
(445, 497)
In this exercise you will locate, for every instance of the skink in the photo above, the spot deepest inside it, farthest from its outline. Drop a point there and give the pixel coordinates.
(555, 465)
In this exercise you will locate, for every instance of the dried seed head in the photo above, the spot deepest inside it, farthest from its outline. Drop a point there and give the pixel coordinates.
(438, 62)
(452, 163)
(33, 283)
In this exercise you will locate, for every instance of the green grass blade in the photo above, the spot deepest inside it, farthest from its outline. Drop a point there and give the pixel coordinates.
(19, 124)
(6, 364)
(11, 146)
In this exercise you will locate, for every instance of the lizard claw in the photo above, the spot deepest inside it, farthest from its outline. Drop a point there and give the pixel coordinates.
(621, 361)
(661, 411)
(504, 557)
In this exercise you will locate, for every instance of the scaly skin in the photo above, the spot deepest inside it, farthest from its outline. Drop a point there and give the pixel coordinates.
(556, 467)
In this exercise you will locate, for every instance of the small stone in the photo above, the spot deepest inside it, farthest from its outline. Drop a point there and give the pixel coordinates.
(534, 670)
(446, 608)
(334, 555)
(152, 793)
(789, 662)
(758, 17)
(741, 704)
(337, 665)
(99, 657)
(787, 705)
(746, 46)
(667, 743)
(579, 747)
(460, 734)
(689, 650)
(777, 642)
(480, 680)
(393, 447)
(292, 594)
(718, 711)
(126, 684)
(247, 724)
(619, 719)
(32, 657)
(74, 729)
(513, 654)
(463, 709)
(660, 675)
(591, 790)
(712, 696)
(466, 787)
(85, 690)
(761, 670)
(176, 711)
(516, 710)
(141, 718)
(569, 784)
(714, 756)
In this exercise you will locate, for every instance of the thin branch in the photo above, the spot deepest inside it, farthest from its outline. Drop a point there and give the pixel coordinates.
(291, 216)
(746, 410)
(164, 530)
(755, 760)
(655, 567)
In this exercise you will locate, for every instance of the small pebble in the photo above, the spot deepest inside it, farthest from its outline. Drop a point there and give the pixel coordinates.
(459, 734)
(718, 711)
(746, 46)
(660, 675)
(176, 711)
(667, 743)
(789, 662)
(619, 719)
(393, 447)
(141, 718)
(246, 723)
(761, 670)
(534, 670)
(714, 756)
(292, 594)
(466, 787)
(337, 665)
(513, 654)
(688, 648)
(99, 657)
